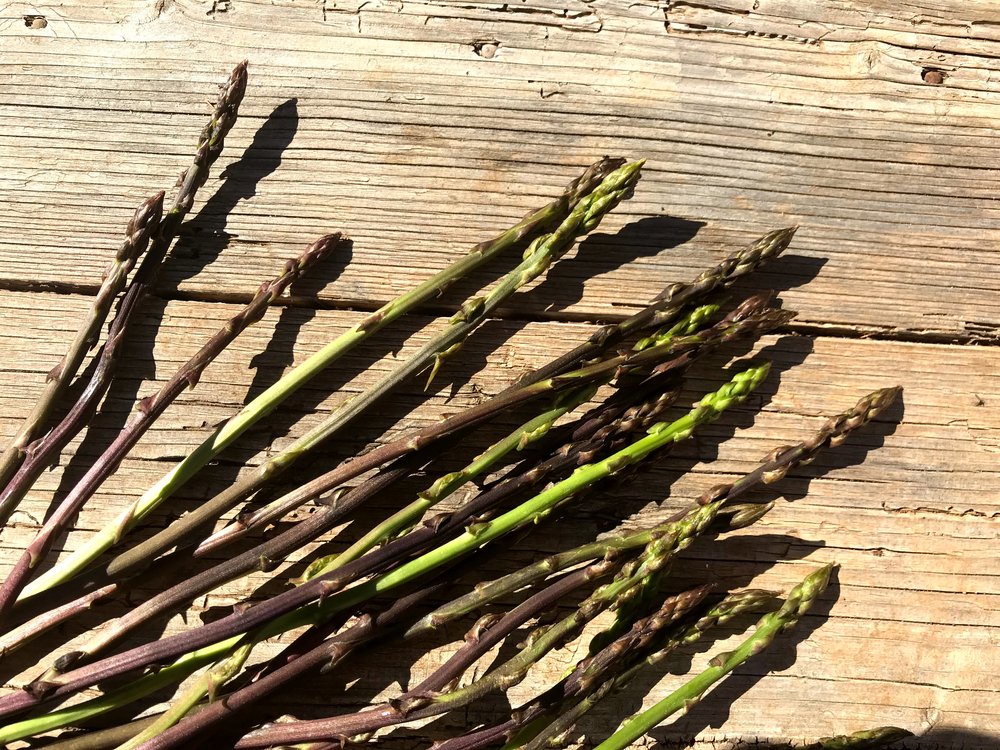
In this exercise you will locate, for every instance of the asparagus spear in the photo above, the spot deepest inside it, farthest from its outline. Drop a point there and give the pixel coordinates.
(799, 600)
(532, 718)
(17, 637)
(24, 461)
(269, 400)
(150, 408)
(285, 611)
(142, 225)
(670, 303)
(263, 555)
(752, 318)
(276, 509)
(160, 235)
(869, 739)
(585, 216)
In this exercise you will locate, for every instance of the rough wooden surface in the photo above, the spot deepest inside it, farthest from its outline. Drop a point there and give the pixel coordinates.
(421, 127)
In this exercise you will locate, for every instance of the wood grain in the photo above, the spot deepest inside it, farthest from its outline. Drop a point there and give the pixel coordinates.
(411, 139)
(911, 636)
(420, 127)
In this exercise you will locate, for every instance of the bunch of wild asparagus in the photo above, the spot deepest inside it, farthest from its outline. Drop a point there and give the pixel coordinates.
(593, 414)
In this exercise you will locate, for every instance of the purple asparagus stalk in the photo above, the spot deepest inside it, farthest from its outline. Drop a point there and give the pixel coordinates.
(670, 303)
(140, 228)
(604, 425)
(419, 704)
(150, 408)
(160, 234)
(25, 461)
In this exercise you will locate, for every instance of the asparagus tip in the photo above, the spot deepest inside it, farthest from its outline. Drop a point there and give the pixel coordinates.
(869, 738)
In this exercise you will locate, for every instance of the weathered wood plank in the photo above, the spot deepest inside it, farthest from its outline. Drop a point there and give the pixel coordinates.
(419, 140)
(911, 636)
(422, 126)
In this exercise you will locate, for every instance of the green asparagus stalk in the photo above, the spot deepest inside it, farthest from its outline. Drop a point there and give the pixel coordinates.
(269, 400)
(869, 739)
(585, 216)
(609, 669)
(799, 600)
(141, 226)
(671, 302)
(444, 486)
(689, 325)
(150, 408)
(286, 611)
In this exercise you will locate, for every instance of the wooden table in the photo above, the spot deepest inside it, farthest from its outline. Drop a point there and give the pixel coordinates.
(422, 126)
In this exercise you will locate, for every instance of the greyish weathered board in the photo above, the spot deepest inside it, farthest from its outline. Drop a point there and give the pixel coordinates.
(422, 127)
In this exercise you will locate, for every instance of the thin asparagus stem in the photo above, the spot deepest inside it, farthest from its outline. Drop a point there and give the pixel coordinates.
(142, 225)
(19, 636)
(278, 508)
(150, 408)
(25, 462)
(585, 216)
(869, 739)
(286, 610)
(713, 502)
(596, 676)
(799, 600)
(749, 318)
(753, 318)
(209, 148)
(272, 397)
(101, 739)
(670, 303)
